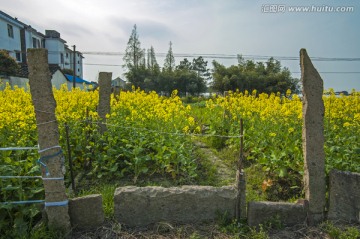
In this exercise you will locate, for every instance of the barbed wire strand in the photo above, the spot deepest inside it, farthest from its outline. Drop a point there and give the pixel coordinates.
(168, 133)
(18, 148)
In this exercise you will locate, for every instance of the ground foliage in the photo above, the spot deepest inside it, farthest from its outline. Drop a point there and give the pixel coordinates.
(153, 136)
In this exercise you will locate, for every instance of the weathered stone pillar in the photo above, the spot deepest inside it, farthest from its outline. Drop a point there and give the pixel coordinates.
(313, 139)
(104, 97)
(52, 163)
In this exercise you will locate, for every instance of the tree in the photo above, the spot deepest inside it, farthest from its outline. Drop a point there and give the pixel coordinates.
(151, 81)
(169, 64)
(249, 75)
(8, 65)
(184, 65)
(190, 77)
(134, 54)
(200, 67)
(134, 60)
(151, 60)
(183, 76)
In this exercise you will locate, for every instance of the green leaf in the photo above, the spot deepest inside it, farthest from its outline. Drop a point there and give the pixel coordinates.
(282, 172)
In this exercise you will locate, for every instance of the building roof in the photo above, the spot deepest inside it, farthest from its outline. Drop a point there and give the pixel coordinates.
(24, 70)
(10, 19)
(19, 23)
(77, 80)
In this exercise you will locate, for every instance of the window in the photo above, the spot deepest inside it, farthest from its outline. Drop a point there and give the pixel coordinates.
(78, 62)
(78, 70)
(10, 31)
(61, 58)
(67, 55)
(18, 56)
(34, 42)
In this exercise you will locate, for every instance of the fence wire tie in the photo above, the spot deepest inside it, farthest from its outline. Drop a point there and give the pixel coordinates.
(46, 149)
(56, 204)
(41, 161)
(52, 178)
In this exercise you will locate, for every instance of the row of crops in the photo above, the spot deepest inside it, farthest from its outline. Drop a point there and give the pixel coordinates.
(153, 136)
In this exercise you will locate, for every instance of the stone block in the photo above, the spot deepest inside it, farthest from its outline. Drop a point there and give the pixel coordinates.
(344, 196)
(288, 214)
(140, 206)
(86, 212)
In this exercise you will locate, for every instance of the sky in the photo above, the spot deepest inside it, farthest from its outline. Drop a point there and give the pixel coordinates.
(223, 27)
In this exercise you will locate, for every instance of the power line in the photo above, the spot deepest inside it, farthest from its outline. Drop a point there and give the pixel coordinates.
(332, 72)
(214, 56)
(230, 56)
(293, 72)
(100, 64)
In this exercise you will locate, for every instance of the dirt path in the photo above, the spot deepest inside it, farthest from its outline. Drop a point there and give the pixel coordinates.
(224, 173)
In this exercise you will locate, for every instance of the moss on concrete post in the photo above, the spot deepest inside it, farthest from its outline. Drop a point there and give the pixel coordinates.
(52, 161)
(313, 139)
(104, 98)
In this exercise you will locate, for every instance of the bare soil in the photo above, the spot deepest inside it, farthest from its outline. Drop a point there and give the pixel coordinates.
(112, 230)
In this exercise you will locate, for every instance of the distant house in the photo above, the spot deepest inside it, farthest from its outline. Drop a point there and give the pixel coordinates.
(16, 37)
(118, 82)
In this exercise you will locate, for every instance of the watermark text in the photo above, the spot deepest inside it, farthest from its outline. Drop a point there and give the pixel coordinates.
(282, 8)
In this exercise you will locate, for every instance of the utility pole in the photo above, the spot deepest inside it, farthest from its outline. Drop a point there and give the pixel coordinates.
(74, 66)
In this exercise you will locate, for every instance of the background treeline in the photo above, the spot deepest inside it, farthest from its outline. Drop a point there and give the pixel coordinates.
(194, 77)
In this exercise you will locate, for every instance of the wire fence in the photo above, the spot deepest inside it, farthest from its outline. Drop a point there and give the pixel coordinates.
(3, 177)
(42, 163)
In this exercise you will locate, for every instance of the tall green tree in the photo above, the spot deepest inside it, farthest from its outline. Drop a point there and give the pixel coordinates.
(134, 54)
(153, 71)
(151, 60)
(134, 60)
(169, 64)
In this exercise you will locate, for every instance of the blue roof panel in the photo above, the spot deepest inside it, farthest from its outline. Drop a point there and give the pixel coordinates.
(77, 79)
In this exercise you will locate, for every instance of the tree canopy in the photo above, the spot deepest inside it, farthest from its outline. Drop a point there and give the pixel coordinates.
(249, 75)
(8, 65)
(192, 76)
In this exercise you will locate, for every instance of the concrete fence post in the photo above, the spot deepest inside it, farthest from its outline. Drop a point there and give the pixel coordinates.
(51, 157)
(313, 139)
(104, 98)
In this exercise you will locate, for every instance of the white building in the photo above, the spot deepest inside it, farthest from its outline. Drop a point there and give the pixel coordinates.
(16, 37)
(79, 62)
(10, 35)
(30, 38)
